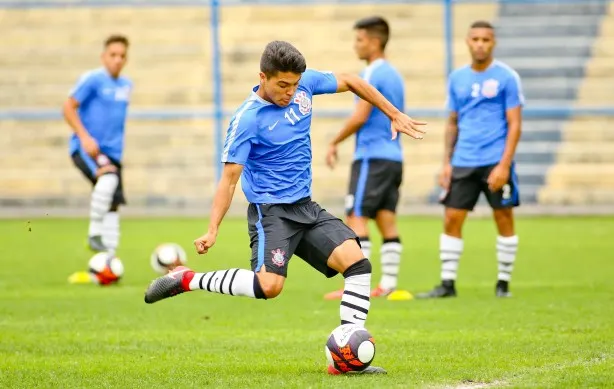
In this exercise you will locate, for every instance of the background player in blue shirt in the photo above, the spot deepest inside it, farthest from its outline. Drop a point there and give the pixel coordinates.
(96, 111)
(377, 171)
(485, 102)
(268, 145)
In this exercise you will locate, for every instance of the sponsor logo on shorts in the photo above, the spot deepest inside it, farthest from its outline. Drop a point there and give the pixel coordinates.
(279, 257)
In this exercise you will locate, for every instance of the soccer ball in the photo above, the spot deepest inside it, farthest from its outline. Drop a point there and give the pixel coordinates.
(105, 268)
(166, 257)
(350, 348)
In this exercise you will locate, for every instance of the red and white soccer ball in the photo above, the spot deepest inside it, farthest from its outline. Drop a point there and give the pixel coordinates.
(105, 268)
(166, 257)
(350, 348)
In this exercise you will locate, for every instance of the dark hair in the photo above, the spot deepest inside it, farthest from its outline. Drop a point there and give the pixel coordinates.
(280, 56)
(482, 24)
(375, 26)
(116, 39)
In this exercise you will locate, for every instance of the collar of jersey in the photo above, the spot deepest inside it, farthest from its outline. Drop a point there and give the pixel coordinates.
(259, 99)
(376, 63)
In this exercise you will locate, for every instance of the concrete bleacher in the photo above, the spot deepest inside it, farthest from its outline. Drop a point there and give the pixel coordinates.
(170, 64)
(171, 162)
(585, 161)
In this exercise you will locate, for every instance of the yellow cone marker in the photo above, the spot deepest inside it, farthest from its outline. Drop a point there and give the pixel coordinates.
(80, 277)
(400, 295)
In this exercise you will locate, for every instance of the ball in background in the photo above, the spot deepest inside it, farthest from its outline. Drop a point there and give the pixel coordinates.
(105, 268)
(350, 348)
(166, 257)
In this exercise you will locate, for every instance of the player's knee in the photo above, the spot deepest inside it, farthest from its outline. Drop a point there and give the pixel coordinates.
(107, 169)
(453, 223)
(270, 284)
(358, 268)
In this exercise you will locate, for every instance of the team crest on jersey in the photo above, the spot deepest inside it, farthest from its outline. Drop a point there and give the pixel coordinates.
(279, 257)
(490, 88)
(303, 101)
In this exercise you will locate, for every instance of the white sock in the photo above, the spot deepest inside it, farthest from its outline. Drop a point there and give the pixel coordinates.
(102, 196)
(506, 255)
(390, 256)
(365, 245)
(235, 282)
(110, 231)
(355, 300)
(450, 250)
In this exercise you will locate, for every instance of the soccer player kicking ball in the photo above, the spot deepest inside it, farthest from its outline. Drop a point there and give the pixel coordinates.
(377, 170)
(96, 111)
(485, 101)
(268, 145)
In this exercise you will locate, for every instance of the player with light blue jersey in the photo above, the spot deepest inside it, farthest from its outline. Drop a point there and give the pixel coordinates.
(268, 145)
(485, 103)
(96, 111)
(377, 170)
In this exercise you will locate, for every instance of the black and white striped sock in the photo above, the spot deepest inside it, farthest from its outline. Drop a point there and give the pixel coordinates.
(365, 245)
(506, 256)
(450, 250)
(110, 231)
(102, 196)
(234, 282)
(390, 257)
(355, 301)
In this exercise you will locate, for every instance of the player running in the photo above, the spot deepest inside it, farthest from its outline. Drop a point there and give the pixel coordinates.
(268, 145)
(377, 170)
(485, 102)
(96, 111)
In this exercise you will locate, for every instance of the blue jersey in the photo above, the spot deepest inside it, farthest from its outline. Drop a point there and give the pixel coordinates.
(481, 100)
(103, 105)
(273, 143)
(373, 140)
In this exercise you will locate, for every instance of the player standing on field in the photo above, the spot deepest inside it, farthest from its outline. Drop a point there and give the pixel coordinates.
(268, 145)
(485, 102)
(96, 111)
(377, 170)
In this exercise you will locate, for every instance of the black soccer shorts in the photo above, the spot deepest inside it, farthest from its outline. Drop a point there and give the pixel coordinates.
(468, 182)
(278, 231)
(374, 186)
(88, 166)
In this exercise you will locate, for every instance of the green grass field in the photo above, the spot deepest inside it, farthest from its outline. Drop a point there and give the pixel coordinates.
(557, 330)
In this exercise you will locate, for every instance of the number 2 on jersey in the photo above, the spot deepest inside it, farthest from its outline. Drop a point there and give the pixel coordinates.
(293, 114)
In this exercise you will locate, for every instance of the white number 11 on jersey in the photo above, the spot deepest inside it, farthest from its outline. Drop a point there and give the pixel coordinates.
(296, 118)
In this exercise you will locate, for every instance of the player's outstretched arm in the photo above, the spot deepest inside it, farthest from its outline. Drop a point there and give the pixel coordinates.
(400, 121)
(351, 126)
(69, 110)
(221, 202)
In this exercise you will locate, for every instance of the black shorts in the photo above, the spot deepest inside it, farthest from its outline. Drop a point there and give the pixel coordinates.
(278, 231)
(88, 166)
(374, 186)
(468, 182)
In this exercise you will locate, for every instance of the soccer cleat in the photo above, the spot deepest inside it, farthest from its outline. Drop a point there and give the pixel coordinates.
(368, 370)
(381, 292)
(335, 295)
(172, 284)
(503, 289)
(95, 243)
(446, 289)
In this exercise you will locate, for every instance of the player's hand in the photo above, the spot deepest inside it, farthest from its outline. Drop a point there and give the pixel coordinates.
(331, 156)
(498, 177)
(406, 125)
(90, 146)
(205, 242)
(445, 176)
